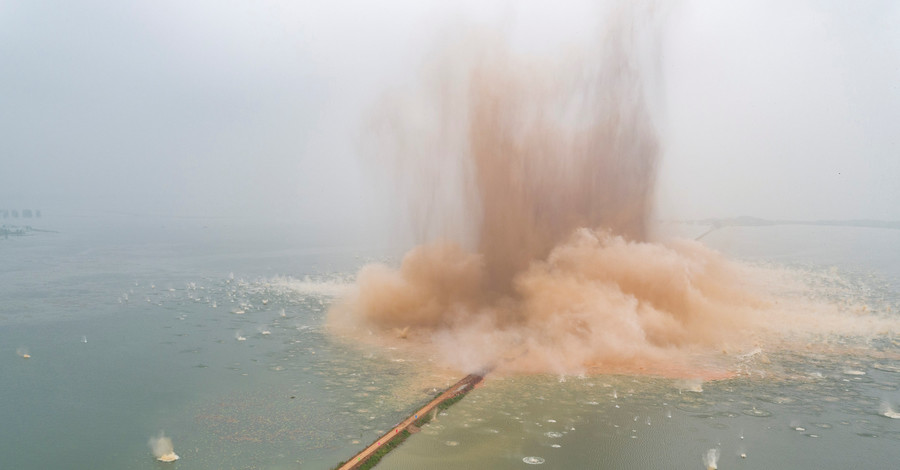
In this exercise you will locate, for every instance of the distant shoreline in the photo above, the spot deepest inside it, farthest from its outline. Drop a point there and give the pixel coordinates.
(745, 221)
(16, 231)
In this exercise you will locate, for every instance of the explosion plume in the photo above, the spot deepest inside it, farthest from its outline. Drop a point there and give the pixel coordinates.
(529, 183)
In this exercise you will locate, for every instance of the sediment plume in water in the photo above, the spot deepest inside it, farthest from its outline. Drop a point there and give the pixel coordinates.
(529, 182)
(162, 448)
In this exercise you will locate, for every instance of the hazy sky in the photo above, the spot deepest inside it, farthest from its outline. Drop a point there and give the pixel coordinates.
(783, 110)
(770, 108)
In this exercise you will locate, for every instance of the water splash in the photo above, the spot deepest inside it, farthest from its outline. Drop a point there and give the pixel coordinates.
(887, 410)
(711, 459)
(162, 448)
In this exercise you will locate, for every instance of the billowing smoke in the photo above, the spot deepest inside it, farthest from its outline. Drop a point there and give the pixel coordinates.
(529, 182)
(509, 154)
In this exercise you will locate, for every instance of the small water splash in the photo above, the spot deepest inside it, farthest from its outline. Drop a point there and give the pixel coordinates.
(162, 448)
(887, 410)
(694, 385)
(711, 459)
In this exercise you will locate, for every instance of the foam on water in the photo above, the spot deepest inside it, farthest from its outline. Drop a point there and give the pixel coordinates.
(331, 286)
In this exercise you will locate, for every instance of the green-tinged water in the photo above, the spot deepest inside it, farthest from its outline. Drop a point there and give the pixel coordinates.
(207, 338)
(217, 338)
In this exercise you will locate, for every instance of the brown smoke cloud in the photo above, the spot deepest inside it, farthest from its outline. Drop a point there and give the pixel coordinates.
(509, 154)
(529, 182)
(597, 302)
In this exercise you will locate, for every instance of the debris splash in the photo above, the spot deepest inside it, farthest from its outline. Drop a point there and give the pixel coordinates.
(162, 448)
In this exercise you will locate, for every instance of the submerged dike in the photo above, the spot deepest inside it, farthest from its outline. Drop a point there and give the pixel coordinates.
(371, 455)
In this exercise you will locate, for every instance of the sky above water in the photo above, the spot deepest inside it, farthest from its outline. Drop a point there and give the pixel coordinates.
(256, 108)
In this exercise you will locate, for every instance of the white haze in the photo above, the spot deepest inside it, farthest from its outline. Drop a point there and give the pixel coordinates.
(208, 108)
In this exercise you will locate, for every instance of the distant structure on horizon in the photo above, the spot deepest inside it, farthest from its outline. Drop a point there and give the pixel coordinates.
(26, 213)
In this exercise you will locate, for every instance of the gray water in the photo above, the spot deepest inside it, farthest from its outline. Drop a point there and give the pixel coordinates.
(214, 334)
